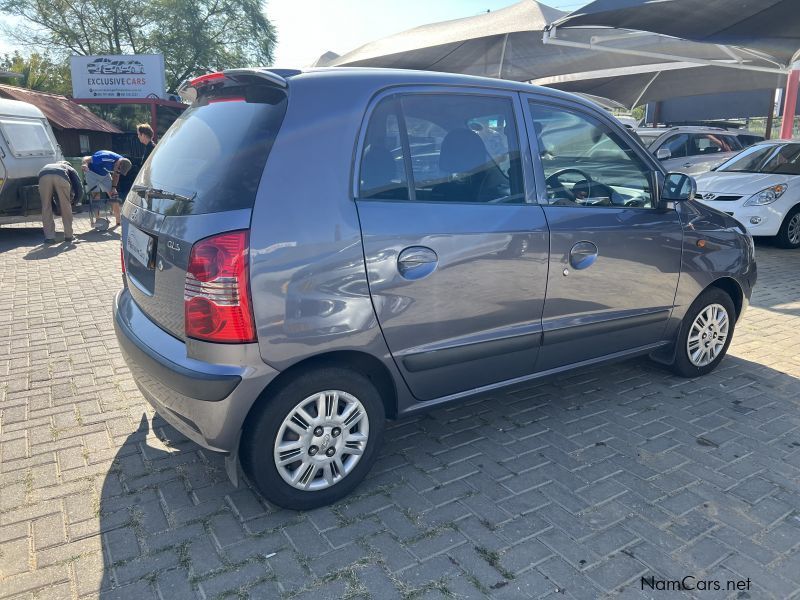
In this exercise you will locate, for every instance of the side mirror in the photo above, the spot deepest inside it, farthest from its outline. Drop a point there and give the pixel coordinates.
(663, 154)
(678, 187)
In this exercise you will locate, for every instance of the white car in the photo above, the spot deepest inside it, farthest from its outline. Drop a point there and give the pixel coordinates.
(760, 188)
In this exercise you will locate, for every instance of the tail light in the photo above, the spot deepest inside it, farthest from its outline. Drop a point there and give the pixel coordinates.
(216, 292)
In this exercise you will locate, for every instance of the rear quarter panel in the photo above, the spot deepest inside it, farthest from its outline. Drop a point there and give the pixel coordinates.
(308, 279)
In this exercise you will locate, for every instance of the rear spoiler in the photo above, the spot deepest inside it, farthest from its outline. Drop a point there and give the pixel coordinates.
(277, 77)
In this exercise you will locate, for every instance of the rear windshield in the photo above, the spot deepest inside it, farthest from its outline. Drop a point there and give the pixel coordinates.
(213, 156)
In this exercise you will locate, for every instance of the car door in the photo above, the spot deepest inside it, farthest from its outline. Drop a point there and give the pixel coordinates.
(707, 150)
(677, 146)
(455, 247)
(615, 252)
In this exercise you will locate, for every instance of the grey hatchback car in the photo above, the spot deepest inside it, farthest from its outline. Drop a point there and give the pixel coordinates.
(308, 254)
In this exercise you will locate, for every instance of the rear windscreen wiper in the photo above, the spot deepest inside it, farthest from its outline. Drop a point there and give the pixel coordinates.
(148, 192)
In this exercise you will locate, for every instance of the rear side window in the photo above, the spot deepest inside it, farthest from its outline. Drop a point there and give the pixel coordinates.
(748, 140)
(26, 137)
(214, 154)
(383, 170)
(442, 148)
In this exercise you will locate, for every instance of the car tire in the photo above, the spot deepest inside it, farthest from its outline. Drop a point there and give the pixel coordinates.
(712, 314)
(313, 451)
(789, 234)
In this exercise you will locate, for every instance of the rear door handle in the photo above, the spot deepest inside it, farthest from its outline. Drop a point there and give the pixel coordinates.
(417, 262)
(583, 255)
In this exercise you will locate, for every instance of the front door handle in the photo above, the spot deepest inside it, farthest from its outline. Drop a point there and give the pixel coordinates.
(417, 262)
(582, 255)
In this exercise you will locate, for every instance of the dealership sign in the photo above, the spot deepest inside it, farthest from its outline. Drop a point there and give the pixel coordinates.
(128, 76)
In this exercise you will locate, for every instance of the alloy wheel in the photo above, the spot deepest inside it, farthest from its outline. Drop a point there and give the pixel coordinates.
(708, 335)
(793, 230)
(321, 440)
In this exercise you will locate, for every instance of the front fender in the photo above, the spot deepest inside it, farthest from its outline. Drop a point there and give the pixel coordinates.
(716, 251)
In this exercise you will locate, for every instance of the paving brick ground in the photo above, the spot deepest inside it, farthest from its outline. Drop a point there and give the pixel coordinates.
(574, 487)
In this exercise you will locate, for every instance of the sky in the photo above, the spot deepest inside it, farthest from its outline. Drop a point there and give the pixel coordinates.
(309, 28)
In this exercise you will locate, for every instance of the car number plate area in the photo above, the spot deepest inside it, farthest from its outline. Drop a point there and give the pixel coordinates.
(140, 245)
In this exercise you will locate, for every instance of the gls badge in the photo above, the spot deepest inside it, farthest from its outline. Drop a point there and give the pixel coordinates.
(174, 246)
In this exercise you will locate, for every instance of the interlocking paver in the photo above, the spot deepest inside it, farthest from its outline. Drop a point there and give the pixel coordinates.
(578, 484)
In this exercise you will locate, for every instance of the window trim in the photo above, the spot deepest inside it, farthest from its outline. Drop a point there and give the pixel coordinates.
(657, 170)
(529, 179)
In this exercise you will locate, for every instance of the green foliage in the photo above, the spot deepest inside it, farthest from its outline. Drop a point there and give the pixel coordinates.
(193, 35)
(39, 72)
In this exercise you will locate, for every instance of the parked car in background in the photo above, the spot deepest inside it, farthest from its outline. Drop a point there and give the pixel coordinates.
(628, 121)
(383, 253)
(691, 150)
(760, 188)
(27, 144)
(747, 138)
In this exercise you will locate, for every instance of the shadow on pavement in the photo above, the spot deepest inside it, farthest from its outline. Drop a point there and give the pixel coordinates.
(12, 238)
(43, 252)
(174, 527)
(93, 235)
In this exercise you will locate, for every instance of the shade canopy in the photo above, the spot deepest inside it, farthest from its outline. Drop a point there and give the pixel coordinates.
(768, 26)
(631, 87)
(508, 43)
(493, 44)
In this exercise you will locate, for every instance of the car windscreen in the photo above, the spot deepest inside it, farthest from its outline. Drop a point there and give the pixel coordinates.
(212, 158)
(648, 138)
(782, 159)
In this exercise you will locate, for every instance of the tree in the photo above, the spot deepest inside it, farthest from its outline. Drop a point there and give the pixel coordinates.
(211, 34)
(193, 35)
(39, 72)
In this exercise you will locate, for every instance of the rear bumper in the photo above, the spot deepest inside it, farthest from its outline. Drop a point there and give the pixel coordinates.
(207, 402)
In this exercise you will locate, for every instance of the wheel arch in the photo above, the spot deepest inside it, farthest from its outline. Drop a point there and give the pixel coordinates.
(366, 364)
(731, 287)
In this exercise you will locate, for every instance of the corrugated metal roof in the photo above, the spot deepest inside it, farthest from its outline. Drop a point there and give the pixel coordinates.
(62, 112)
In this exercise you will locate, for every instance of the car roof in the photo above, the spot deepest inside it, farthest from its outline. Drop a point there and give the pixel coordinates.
(380, 77)
(686, 129)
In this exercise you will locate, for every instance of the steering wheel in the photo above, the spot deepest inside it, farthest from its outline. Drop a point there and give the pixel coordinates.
(554, 181)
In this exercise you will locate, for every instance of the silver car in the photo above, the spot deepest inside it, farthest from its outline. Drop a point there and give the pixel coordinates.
(690, 150)
(297, 272)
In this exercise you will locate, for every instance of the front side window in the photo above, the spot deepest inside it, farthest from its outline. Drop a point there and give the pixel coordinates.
(460, 148)
(704, 143)
(677, 146)
(586, 163)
